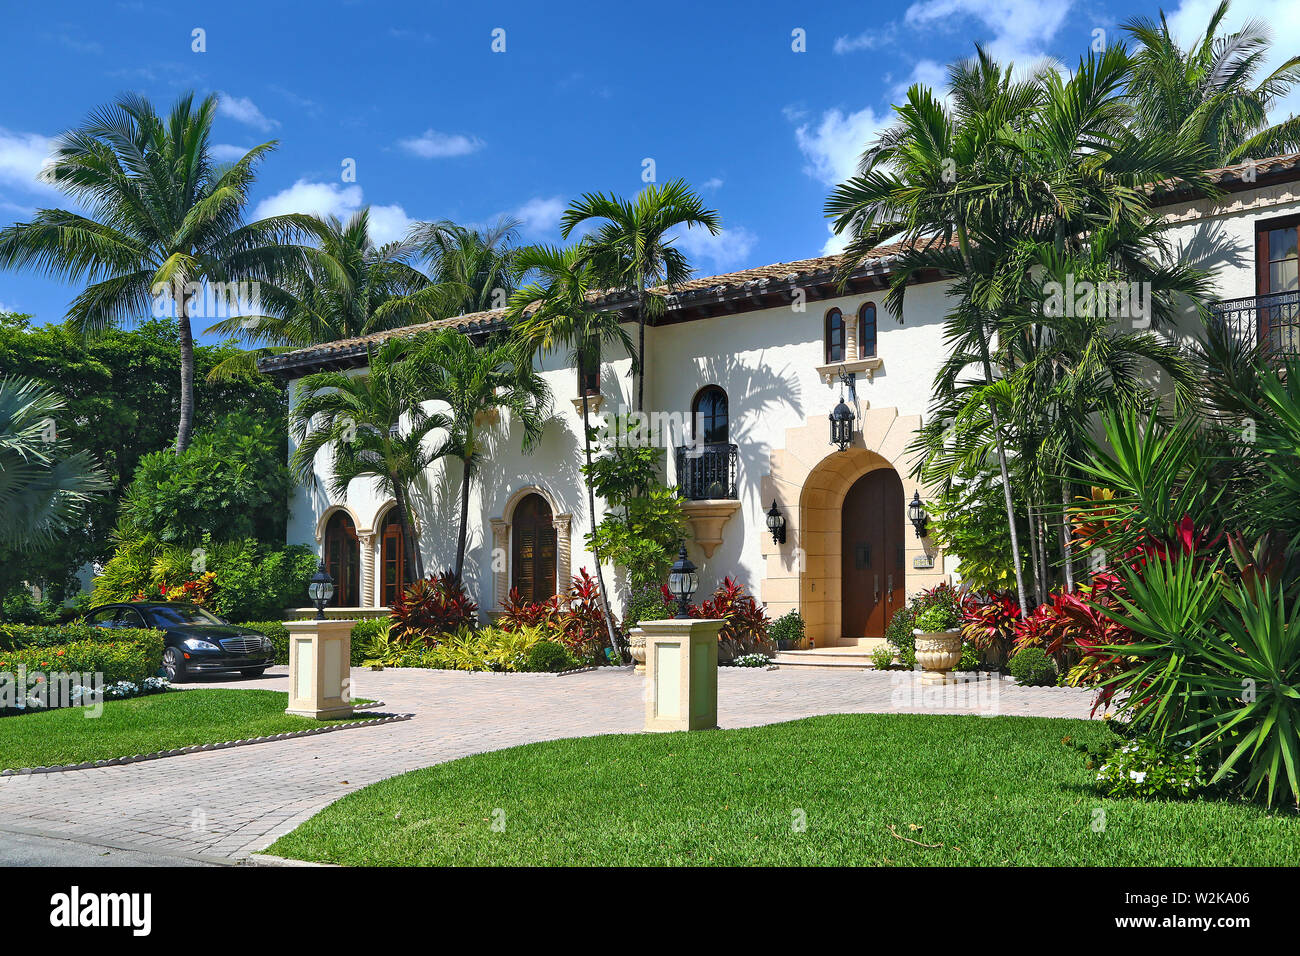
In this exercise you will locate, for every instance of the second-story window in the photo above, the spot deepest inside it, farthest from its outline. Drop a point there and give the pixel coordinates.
(867, 330)
(711, 416)
(834, 336)
(589, 369)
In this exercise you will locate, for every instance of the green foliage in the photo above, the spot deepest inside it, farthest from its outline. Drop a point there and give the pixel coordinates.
(644, 523)
(788, 627)
(882, 658)
(645, 603)
(484, 649)
(258, 581)
(547, 655)
(971, 525)
(126, 654)
(121, 398)
(971, 657)
(937, 617)
(1138, 769)
(230, 483)
(898, 632)
(1031, 667)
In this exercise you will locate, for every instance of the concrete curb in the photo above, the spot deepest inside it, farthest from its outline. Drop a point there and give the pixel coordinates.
(270, 859)
(205, 748)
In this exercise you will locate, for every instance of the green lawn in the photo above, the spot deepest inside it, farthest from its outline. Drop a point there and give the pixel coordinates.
(991, 791)
(144, 725)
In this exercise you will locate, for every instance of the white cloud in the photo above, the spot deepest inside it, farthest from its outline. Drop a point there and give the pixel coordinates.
(1188, 23)
(927, 73)
(869, 40)
(711, 184)
(243, 110)
(727, 250)
(834, 146)
(1021, 29)
(540, 216)
(834, 243)
(387, 223)
(227, 153)
(435, 145)
(22, 155)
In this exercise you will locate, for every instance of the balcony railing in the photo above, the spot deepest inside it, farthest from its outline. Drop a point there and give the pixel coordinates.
(1269, 321)
(707, 471)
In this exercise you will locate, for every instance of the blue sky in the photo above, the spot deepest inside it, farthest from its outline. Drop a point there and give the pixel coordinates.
(441, 126)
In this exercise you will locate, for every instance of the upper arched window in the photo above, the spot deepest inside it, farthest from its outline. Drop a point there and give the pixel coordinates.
(867, 330)
(834, 336)
(711, 416)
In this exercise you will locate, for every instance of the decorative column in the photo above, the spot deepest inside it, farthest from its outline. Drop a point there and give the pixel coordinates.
(681, 656)
(366, 540)
(320, 654)
(563, 552)
(850, 336)
(500, 560)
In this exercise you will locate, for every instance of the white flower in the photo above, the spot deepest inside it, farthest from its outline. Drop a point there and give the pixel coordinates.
(1137, 775)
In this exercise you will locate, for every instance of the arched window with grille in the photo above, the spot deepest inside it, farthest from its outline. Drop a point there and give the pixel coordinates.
(834, 336)
(392, 559)
(867, 330)
(343, 559)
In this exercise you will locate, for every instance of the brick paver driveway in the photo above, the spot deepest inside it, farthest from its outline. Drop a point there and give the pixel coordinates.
(230, 803)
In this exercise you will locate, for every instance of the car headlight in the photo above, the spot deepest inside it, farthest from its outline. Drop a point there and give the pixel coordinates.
(267, 645)
(194, 644)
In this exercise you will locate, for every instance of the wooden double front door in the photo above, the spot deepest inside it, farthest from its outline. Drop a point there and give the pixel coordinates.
(874, 579)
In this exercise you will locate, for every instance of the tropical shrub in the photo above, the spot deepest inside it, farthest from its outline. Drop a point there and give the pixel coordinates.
(971, 657)
(433, 607)
(749, 660)
(990, 625)
(882, 658)
(936, 618)
(646, 603)
(1031, 667)
(481, 649)
(130, 655)
(547, 655)
(789, 627)
(517, 613)
(583, 629)
(745, 624)
(898, 632)
(1137, 769)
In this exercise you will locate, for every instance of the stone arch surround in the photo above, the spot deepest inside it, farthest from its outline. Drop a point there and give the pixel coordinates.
(562, 522)
(808, 478)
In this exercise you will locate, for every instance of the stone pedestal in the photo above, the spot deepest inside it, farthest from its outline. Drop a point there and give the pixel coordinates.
(320, 655)
(681, 674)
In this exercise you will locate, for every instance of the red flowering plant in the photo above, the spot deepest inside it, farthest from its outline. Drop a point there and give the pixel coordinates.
(745, 622)
(517, 614)
(583, 628)
(990, 625)
(432, 607)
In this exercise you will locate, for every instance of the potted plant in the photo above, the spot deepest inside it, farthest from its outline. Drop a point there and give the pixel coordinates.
(937, 630)
(787, 631)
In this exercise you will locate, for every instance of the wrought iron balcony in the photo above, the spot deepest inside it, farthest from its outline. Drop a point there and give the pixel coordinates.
(707, 472)
(1269, 321)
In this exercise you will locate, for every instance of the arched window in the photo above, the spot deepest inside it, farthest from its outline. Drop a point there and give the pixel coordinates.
(392, 554)
(834, 336)
(343, 559)
(710, 415)
(533, 555)
(867, 330)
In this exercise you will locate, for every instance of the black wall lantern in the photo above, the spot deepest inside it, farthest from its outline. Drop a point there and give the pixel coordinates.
(320, 589)
(776, 524)
(682, 581)
(916, 514)
(842, 425)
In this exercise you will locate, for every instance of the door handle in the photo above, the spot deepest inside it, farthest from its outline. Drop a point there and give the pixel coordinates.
(876, 589)
(889, 589)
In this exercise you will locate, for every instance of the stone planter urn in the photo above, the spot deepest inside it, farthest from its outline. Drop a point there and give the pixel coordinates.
(636, 648)
(937, 652)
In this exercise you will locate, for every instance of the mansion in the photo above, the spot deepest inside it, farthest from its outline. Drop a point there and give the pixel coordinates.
(758, 360)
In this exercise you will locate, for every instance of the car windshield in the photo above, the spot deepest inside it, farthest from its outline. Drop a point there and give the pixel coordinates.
(184, 614)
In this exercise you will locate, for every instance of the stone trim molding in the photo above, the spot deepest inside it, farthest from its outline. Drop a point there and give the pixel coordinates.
(204, 748)
(561, 521)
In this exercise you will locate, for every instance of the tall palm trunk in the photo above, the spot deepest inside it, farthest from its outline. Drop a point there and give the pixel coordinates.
(186, 426)
(1067, 549)
(409, 546)
(987, 362)
(640, 344)
(464, 519)
(591, 510)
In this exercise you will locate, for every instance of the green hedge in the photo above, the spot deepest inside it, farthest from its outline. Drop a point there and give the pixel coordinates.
(279, 635)
(126, 654)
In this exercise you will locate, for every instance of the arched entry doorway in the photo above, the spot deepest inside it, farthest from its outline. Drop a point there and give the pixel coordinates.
(873, 561)
(343, 559)
(534, 549)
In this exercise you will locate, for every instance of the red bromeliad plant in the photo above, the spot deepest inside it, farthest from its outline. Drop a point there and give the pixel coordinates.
(582, 620)
(432, 607)
(990, 625)
(517, 614)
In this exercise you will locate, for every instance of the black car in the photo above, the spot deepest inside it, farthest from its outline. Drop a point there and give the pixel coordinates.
(197, 640)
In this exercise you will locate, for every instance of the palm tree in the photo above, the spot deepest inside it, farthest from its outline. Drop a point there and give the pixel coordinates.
(477, 384)
(633, 249)
(1209, 90)
(1048, 160)
(554, 312)
(342, 287)
(477, 266)
(44, 489)
(162, 219)
(375, 427)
